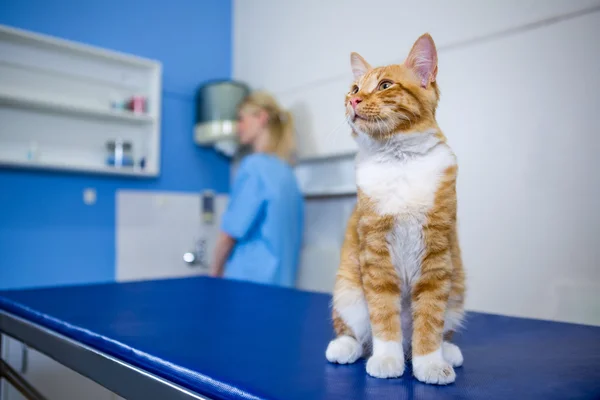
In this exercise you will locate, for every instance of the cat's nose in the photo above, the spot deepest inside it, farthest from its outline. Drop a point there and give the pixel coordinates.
(354, 101)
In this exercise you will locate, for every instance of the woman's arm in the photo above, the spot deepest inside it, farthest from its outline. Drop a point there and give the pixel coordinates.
(224, 245)
(244, 209)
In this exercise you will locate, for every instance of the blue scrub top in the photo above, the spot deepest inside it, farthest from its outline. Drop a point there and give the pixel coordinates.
(265, 215)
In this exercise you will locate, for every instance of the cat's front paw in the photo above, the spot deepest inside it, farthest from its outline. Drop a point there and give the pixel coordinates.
(433, 369)
(452, 354)
(343, 350)
(385, 366)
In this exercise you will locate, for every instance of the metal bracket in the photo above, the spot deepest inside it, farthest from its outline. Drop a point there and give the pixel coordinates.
(19, 382)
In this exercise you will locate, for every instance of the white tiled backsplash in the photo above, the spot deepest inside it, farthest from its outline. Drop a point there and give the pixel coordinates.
(155, 230)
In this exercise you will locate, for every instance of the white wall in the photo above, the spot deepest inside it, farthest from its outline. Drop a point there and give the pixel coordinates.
(520, 102)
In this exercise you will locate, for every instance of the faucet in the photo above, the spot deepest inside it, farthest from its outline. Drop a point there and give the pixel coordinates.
(197, 257)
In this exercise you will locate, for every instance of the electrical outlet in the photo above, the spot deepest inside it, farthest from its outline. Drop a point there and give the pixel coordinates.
(89, 196)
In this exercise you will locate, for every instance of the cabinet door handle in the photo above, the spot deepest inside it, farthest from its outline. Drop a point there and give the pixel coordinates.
(24, 358)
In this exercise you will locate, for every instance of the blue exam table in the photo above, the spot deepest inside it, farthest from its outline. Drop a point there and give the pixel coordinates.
(204, 338)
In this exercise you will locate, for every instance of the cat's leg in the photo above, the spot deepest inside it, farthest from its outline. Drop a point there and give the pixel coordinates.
(349, 344)
(455, 311)
(381, 286)
(430, 293)
(430, 296)
(350, 313)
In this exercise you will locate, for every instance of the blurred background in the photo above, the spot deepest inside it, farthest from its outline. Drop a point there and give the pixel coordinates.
(519, 105)
(106, 176)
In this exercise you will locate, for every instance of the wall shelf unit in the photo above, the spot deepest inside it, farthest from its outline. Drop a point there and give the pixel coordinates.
(61, 103)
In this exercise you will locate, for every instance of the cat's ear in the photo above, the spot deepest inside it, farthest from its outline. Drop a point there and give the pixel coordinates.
(423, 59)
(359, 65)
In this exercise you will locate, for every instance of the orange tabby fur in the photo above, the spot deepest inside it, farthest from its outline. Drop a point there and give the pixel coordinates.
(391, 226)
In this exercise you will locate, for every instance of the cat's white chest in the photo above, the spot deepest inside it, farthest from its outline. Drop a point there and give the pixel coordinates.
(403, 186)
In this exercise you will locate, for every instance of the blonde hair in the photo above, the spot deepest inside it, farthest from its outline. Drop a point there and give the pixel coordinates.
(282, 141)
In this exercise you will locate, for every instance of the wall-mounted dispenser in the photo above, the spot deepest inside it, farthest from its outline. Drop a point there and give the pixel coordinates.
(216, 114)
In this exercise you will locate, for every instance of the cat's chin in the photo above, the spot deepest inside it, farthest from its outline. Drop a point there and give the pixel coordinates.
(370, 128)
(374, 134)
(361, 124)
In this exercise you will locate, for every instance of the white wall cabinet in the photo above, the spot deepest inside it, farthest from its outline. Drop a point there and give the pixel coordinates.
(61, 103)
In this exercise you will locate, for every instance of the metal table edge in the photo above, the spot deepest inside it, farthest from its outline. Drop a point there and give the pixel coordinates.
(124, 379)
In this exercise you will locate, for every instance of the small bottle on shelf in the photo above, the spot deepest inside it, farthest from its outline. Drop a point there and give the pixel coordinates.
(137, 104)
(120, 154)
(116, 102)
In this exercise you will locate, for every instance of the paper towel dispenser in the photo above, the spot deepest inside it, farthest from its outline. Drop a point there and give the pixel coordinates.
(216, 114)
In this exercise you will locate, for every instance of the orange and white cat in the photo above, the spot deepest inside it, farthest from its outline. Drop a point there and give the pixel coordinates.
(400, 285)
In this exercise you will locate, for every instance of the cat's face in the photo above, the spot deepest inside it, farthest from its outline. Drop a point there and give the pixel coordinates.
(394, 99)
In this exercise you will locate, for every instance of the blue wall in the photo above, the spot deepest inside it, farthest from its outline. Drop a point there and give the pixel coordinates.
(47, 235)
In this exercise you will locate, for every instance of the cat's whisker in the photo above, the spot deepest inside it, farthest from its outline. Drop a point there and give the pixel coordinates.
(389, 127)
(382, 124)
(338, 127)
(414, 118)
(404, 117)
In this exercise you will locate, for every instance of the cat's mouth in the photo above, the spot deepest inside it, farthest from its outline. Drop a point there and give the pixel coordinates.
(357, 116)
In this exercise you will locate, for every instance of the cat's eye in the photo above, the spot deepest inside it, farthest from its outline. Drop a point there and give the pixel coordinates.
(385, 85)
(354, 89)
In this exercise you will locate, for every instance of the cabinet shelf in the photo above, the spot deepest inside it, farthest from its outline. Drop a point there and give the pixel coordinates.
(56, 166)
(31, 102)
(330, 192)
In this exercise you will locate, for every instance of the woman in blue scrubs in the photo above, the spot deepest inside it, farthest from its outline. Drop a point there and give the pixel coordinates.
(262, 227)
